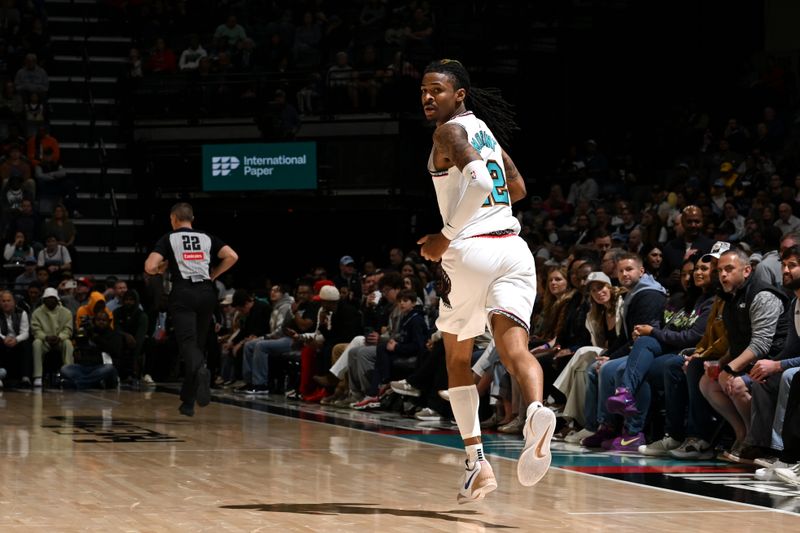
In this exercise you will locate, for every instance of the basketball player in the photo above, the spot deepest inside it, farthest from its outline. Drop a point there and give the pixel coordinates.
(489, 273)
(189, 253)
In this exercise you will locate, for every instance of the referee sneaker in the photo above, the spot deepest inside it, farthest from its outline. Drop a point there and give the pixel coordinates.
(188, 254)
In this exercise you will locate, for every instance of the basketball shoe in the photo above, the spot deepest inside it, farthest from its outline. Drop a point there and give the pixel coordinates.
(478, 482)
(535, 457)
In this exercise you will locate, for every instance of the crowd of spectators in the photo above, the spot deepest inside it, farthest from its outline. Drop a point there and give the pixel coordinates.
(37, 197)
(324, 58)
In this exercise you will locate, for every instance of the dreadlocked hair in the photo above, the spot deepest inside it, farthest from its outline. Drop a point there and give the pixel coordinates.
(487, 103)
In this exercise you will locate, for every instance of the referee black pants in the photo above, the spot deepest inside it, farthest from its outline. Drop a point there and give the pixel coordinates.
(191, 307)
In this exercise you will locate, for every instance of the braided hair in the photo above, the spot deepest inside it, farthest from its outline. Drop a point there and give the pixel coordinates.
(487, 103)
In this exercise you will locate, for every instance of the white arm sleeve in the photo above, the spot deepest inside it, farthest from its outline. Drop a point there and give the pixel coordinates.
(479, 186)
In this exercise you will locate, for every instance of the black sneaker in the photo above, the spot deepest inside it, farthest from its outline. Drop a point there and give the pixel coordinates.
(203, 387)
(244, 389)
(186, 409)
(260, 390)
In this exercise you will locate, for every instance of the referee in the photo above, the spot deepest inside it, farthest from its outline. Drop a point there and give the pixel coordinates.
(189, 253)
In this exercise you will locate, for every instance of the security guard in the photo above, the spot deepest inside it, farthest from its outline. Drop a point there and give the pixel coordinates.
(188, 254)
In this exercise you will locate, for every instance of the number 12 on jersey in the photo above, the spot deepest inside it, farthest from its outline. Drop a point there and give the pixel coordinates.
(499, 194)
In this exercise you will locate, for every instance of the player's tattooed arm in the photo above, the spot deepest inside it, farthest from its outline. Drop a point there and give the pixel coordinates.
(451, 141)
(514, 181)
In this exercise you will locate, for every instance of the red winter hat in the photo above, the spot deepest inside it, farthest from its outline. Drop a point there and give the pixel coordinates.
(318, 287)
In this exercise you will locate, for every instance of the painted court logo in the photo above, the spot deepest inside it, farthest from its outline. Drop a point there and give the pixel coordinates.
(222, 166)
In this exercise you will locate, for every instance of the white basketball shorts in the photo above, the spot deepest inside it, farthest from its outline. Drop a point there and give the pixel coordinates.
(483, 276)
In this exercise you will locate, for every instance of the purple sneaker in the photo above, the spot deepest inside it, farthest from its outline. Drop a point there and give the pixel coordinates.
(603, 433)
(627, 442)
(622, 403)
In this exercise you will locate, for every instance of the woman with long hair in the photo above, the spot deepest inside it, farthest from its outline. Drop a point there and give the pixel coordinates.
(604, 323)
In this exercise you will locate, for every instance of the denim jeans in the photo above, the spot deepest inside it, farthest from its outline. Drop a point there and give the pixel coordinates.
(259, 357)
(633, 376)
(84, 376)
(598, 389)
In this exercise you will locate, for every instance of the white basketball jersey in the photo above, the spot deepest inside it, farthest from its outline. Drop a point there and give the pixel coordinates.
(450, 184)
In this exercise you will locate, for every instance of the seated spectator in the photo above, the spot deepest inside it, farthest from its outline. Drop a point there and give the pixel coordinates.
(557, 297)
(66, 290)
(51, 328)
(61, 227)
(191, 56)
(584, 188)
(643, 304)
(43, 276)
(757, 319)
(408, 343)
(337, 322)
(231, 34)
(27, 276)
(132, 323)
(340, 83)
(32, 297)
(18, 250)
(11, 104)
(41, 141)
(116, 293)
(32, 78)
(772, 383)
(787, 222)
(35, 114)
(12, 194)
(692, 242)
(27, 221)
(307, 38)
(161, 59)
(254, 315)
(653, 258)
(135, 67)
(16, 166)
(97, 347)
(15, 348)
(54, 256)
(94, 306)
(255, 363)
(52, 184)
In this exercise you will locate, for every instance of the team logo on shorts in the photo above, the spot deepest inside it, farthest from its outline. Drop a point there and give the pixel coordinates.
(444, 289)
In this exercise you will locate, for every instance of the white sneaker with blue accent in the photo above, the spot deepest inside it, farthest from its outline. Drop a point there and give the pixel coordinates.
(478, 481)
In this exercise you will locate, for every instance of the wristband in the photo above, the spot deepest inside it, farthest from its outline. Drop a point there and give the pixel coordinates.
(728, 370)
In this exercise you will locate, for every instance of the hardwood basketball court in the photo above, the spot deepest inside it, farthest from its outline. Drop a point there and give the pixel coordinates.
(127, 461)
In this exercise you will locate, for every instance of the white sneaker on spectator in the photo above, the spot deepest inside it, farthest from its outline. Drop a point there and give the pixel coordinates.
(148, 380)
(428, 415)
(693, 449)
(444, 394)
(540, 424)
(660, 448)
(768, 473)
(577, 436)
(478, 481)
(404, 388)
(789, 475)
(37, 382)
